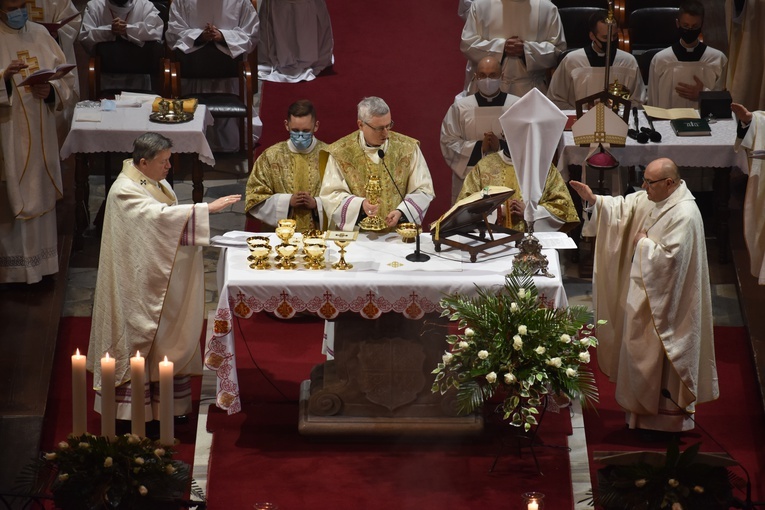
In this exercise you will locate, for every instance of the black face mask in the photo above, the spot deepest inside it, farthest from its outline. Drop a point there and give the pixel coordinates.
(119, 3)
(689, 35)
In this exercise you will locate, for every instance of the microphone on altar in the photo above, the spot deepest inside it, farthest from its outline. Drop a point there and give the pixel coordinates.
(417, 256)
(747, 503)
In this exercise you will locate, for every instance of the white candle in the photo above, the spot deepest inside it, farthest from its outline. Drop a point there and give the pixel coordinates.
(533, 505)
(166, 397)
(108, 399)
(79, 395)
(137, 410)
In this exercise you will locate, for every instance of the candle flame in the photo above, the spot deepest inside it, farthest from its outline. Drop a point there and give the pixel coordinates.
(107, 355)
(77, 353)
(165, 359)
(137, 354)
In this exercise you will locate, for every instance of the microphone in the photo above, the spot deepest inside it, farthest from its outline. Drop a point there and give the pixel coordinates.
(640, 136)
(654, 135)
(417, 256)
(748, 503)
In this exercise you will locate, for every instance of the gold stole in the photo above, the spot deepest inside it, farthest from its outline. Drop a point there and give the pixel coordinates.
(300, 182)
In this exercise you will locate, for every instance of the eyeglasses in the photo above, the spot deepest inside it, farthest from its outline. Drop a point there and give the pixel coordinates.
(379, 129)
(648, 183)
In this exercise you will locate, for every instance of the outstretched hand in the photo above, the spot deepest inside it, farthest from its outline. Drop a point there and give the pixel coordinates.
(223, 202)
(742, 114)
(584, 191)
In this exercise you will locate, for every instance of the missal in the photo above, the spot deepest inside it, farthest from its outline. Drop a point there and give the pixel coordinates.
(671, 113)
(54, 26)
(690, 127)
(46, 75)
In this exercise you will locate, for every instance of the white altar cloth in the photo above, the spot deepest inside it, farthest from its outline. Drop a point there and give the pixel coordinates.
(369, 289)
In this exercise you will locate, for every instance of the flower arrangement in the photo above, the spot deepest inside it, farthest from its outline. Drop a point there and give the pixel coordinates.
(514, 343)
(681, 482)
(91, 472)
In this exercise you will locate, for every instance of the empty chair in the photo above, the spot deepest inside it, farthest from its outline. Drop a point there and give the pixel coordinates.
(132, 68)
(576, 24)
(644, 61)
(652, 27)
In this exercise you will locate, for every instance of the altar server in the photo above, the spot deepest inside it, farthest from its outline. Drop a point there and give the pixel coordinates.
(150, 290)
(30, 174)
(470, 129)
(285, 180)
(581, 73)
(355, 157)
(136, 21)
(678, 74)
(525, 35)
(651, 283)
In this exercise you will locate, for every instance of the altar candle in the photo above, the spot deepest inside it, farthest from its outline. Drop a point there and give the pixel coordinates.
(533, 505)
(137, 410)
(108, 398)
(79, 395)
(166, 397)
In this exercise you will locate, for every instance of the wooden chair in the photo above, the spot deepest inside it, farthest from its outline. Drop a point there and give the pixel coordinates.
(121, 57)
(652, 27)
(576, 24)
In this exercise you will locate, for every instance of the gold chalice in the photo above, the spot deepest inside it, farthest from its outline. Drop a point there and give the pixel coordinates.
(373, 191)
(287, 253)
(260, 254)
(408, 232)
(255, 242)
(285, 233)
(342, 264)
(287, 222)
(314, 249)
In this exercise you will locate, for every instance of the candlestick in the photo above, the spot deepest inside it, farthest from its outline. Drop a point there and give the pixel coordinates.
(108, 398)
(166, 397)
(534, 500)
(137, 391)
(79, 395)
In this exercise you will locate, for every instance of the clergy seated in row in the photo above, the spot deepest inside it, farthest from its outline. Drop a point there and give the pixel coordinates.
(471, 129)
(532, 126)
(581, 73)
(296, 41)
(233, 27)
(525, 35)
(285, 180)
(406, 188)
(678, 74)
(135, 21)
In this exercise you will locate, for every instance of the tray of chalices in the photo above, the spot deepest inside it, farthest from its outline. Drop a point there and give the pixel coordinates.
(171, 117)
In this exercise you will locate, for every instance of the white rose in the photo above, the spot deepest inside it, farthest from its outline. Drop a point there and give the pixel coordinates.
(483, 354)
(640, 483)
(677, 506)
(584, 357)
(585, 340)
(522, 330)
(108, 462)
(139, 461)
(159, 452)
(447, 358)
(540, 350)
(469, 332)
(571, 372)
(63, 477)
(63, 445)
(84, 445)
(169, 469)
(521, 293)
(513, 307)
(565, 338)
(50, 456)
(463, 345)
(510, 378)
(517, 343)
(698, 489)
(672, 482)
(133, 439)
(491, 377)
(143, 490)
(555, 362)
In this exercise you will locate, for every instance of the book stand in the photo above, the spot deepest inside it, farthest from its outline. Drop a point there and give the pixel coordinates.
(464, 219)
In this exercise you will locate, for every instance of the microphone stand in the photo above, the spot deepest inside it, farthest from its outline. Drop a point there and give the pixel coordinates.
(417, 256)
(747, 503)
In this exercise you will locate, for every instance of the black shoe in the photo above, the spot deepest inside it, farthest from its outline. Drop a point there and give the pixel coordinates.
(182, 419)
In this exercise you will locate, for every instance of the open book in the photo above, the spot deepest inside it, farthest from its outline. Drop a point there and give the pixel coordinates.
(55, 26)
(46, 75)
(471, 210)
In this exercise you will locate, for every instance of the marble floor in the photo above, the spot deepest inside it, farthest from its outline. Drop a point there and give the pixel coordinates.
(230, 177)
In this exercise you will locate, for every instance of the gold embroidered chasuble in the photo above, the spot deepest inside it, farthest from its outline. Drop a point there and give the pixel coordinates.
(281, 170)
(357, 168)
(494, 171)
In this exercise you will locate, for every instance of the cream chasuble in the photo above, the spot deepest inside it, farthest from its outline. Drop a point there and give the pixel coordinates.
(746, 53)
(667, 72)
(497, 170)
(657, 301)
(351, 162)
(280, 172)
(754, 201)
(52, 11)
(150, 289)
(30, 173)
(490, 23)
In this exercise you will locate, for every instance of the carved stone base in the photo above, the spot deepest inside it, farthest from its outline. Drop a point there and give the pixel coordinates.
(380, 382)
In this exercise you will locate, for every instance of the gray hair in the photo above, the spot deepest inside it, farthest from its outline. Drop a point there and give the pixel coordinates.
(148, 145)
(372, 107)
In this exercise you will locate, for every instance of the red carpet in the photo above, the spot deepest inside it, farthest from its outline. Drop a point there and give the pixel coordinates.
(735, 420)
(258, 454)
(406, 52)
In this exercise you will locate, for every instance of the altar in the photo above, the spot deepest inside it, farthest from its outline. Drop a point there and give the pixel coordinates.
(388, 332)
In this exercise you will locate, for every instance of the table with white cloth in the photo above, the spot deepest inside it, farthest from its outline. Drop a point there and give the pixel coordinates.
(716, 151)
(385, 318)
(116, 130)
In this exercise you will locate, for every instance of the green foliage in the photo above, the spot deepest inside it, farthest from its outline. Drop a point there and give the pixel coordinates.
(126, 472)
(511, 343)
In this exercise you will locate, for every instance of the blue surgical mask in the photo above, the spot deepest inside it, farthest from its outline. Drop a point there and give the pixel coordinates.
(301, 140)
(17, 18)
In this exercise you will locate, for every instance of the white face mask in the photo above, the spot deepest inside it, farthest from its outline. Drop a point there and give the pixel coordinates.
(488, 86)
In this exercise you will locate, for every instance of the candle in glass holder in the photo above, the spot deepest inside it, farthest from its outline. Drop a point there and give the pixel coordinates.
(166, 397)
(79, 395)
(108, 397)
(137, 410)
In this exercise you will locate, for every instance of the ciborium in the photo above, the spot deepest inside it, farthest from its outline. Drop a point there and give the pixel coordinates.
(314, 249)
(287, 256)
(260, 248)
(373, 190)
